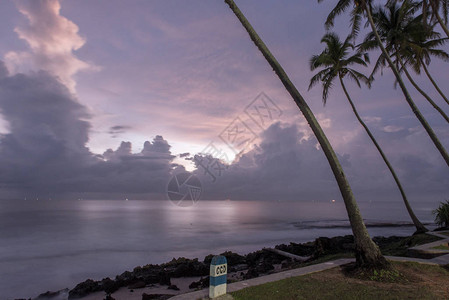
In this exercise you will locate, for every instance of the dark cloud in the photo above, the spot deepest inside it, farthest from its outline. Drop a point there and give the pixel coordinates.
(3, 70)
(114, 131)
(45, 151)
(285, 166)
(182, 155)
(44, 154)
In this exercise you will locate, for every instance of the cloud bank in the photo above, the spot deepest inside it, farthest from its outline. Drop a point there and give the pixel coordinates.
(45, 152)
(52, 39)
(287, 165)
(45, 155)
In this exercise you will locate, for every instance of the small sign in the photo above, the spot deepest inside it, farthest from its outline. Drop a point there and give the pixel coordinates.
(218, 276)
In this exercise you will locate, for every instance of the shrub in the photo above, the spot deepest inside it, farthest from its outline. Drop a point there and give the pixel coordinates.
(442, 214)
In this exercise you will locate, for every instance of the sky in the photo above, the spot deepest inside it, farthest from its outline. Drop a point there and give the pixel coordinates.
(107, 99)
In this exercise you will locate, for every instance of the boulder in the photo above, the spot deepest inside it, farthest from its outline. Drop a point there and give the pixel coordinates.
(84, 288)
(200, 284)
(137, 285)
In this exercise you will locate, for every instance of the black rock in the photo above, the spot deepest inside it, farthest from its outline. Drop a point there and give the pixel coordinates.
(137, 285)
(155, 296)
(231, 258)
(305, 249)
(202, 283)
(84, 288)
(264, 267)
(173, 287)
(339, 244)
(252, 273)
(52, 295)
(109, 286)
(164, 279)
(190, 268)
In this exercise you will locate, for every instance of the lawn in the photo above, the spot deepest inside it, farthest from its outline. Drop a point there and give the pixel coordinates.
(411, 281)
(441, 247)
(401, 247)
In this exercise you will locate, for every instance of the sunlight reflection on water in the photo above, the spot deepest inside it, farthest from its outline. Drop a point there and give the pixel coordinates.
(56, 244)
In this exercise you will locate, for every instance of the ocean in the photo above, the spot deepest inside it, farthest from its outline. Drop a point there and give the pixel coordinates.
(51, 245)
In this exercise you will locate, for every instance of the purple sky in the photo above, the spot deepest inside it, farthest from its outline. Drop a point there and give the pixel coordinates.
(85, 76)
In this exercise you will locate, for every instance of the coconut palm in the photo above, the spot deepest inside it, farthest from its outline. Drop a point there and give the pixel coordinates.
(422, 59)
(336, 63)
(431, 11)
(436, 6)
(403, 35)
(427, 47)
(367, 252)
(422, 48)
(364, 7)
(442, 215)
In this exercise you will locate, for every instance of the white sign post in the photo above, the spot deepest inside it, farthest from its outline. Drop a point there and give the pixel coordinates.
(218, 277)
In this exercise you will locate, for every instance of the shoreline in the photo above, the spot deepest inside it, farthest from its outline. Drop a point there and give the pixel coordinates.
(97, 239)
(184, 275)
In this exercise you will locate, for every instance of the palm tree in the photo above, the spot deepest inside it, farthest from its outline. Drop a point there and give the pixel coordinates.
(427, 47)
(403, 36)
(420, 51)
(367, 252)
(364, 7)
(335, 63)
(422, 61)
(435, 9)
(431, 10)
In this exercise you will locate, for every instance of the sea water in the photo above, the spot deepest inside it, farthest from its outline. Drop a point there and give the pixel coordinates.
(51, 245)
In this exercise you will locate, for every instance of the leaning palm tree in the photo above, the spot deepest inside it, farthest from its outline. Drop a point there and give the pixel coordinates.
(422, 60)
(435, 6)
(428, 44)
(367, 252)
(431, 11)
(403, 35)
(336, 64)
(422, 48)
(364, 7)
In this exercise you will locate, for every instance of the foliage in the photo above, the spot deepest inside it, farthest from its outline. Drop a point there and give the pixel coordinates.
(336, 61)
(442, 214)
(386, 275)
(405, 36)
(398, 246)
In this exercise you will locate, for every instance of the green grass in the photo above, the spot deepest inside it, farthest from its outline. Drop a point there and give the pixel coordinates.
(332, 284)
(441, 247)
(401, 248)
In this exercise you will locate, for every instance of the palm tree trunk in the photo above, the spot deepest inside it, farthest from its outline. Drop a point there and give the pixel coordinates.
(367, 252)
(419, 226)
(422, 92)
(433, 81)
(409, 100)
(442, 24)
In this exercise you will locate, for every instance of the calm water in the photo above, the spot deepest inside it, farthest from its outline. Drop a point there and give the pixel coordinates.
(50, 245)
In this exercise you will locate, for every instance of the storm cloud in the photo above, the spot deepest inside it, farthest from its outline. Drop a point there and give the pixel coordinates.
(44, 153)
(287, 165)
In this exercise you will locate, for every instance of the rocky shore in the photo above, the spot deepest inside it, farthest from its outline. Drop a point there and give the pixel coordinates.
(240, 267)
